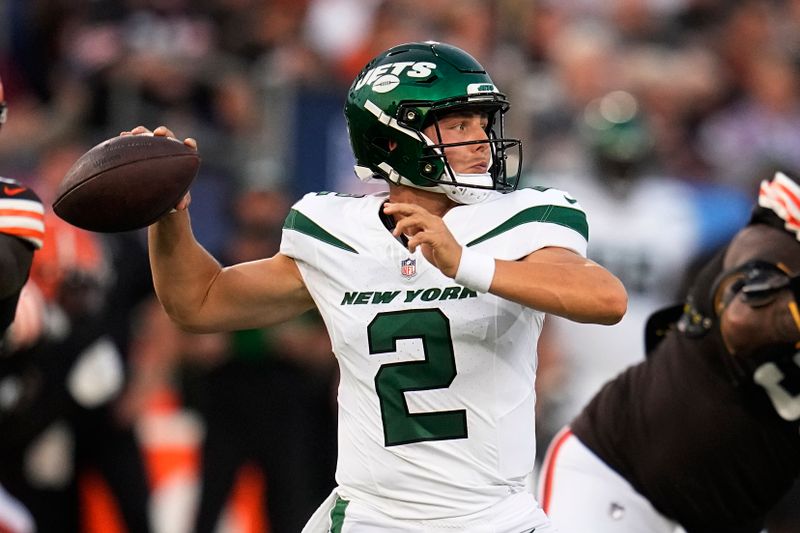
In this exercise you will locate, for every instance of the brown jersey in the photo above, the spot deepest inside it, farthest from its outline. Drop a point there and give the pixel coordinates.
(705, 446)
(21, 219)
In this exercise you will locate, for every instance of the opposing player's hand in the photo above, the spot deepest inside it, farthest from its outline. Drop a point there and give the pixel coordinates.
(428, 232)
(163, 131)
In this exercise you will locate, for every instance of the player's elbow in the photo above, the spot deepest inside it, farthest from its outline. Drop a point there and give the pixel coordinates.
(183, 317)
(190, 326)
(600, 306)
(603, 298)
(614, 303)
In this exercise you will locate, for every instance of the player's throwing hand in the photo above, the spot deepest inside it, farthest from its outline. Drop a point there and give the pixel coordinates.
(429, 232)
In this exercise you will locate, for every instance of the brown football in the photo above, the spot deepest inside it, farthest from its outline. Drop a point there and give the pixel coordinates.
(126, 183)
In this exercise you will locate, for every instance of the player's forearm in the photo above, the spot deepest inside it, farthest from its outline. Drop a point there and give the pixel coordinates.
(580, 292)
(182, 270)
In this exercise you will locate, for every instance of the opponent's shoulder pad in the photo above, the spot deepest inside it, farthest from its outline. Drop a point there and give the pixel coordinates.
(13, 189)
(21, 212)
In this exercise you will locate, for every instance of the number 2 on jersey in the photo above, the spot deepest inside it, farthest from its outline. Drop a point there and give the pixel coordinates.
(436, 371)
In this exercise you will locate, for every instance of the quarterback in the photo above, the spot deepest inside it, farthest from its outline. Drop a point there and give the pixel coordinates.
(433, 294)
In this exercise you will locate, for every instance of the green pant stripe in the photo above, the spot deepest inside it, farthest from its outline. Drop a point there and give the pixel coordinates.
(337, 515)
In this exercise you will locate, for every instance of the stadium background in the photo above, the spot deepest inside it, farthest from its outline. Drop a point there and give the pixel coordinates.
(261, 85)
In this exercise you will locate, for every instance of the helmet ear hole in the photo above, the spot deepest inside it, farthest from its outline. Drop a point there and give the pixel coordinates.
(384, 144)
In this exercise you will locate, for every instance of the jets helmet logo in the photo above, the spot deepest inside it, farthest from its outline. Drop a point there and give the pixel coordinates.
(385, 78)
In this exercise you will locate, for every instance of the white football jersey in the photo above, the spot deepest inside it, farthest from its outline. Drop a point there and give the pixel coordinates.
(436, 398)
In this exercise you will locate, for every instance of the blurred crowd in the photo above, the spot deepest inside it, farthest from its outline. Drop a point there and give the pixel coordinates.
(660, 116)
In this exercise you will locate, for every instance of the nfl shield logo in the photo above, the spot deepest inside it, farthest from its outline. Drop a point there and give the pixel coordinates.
(408, 268)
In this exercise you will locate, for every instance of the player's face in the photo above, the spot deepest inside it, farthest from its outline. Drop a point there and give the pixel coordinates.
(463, 127)
(767, 244)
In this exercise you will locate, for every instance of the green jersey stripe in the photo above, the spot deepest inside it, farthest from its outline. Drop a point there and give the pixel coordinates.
(337, 515)
(297, 221)
(574, 219)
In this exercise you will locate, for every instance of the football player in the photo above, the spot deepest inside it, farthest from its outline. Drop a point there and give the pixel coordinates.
(21, 233)
(433, 293)
(705, 433)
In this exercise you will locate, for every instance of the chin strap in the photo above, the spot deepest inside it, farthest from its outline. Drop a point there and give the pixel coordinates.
(469, 195)
(457, 193)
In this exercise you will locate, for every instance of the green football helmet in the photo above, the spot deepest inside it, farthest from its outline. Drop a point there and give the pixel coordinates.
(404, 90)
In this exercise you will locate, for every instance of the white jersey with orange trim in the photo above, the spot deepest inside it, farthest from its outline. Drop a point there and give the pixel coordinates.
(21, 212)
(586, 495)
(436, 397)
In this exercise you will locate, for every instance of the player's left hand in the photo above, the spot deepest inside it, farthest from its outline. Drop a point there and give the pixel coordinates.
(429, 232)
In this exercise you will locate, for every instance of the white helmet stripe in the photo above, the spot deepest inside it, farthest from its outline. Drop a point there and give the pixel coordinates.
(392, 123)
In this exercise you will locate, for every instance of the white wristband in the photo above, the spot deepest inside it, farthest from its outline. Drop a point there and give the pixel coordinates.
(475, 271)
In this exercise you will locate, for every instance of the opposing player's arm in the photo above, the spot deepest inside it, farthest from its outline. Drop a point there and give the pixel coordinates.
(561, 282)
(202, 296)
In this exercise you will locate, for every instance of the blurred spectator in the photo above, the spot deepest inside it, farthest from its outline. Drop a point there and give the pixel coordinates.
(390, 25)
(677, 87)
(336, 27)
(758, 132)
(268, 399)
(581, 65)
